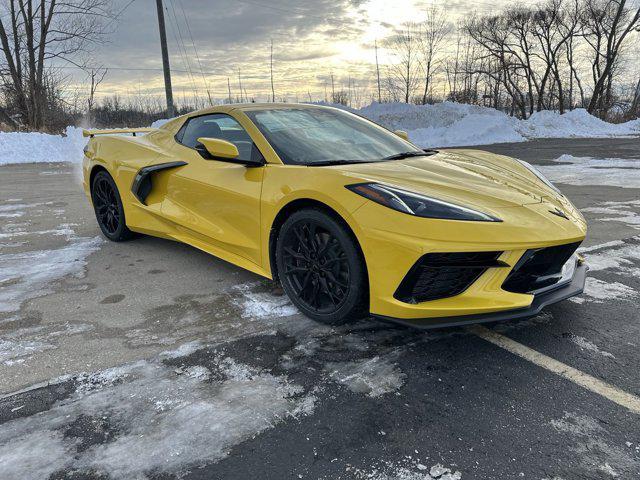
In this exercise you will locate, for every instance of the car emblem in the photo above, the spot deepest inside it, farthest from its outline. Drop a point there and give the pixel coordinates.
(559, 213)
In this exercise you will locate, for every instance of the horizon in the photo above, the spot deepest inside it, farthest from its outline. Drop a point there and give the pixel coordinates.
(209, 47)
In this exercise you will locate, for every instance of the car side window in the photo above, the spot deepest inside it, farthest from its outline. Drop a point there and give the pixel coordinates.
(217, 125)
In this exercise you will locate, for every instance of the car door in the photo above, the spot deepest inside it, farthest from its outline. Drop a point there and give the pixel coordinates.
(213, 201)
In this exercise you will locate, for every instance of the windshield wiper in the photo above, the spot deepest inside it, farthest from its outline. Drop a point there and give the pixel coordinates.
(324, 163)
(402, 155)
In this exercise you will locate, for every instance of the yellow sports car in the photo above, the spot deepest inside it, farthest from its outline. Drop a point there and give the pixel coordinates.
(351, 218)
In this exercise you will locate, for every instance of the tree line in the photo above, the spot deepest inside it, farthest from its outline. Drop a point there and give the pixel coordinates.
(557, 55)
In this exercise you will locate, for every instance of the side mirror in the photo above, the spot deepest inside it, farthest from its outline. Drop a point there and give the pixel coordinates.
(402, 134)
(219, 149)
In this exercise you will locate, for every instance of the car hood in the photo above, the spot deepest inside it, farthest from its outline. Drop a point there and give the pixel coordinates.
(468, 177)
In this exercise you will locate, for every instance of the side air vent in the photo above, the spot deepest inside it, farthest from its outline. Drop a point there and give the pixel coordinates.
(141, 187)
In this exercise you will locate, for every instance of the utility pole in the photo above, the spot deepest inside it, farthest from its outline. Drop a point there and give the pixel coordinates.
(378, 72)
(229, 88)
(273, 92)
(333, 90)
(171, 112)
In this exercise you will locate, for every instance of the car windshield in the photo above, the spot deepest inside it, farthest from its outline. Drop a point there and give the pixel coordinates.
(308, 136)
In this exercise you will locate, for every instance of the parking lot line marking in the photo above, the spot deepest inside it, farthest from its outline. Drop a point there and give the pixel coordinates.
(622, 398)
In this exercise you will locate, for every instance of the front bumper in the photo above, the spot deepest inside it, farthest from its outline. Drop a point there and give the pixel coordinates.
(547, 297)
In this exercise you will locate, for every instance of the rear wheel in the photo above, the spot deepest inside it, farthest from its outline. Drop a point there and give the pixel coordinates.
(107, 205)
(321, 267)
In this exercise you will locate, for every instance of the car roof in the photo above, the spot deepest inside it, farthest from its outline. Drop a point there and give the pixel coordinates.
(254, 106)
(175, 123)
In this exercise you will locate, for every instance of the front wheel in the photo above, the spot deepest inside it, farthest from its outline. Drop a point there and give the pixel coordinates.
(321, 268)
(108, 208)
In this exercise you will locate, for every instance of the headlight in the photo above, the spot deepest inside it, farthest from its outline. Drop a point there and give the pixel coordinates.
(418, 205)
(539, 174)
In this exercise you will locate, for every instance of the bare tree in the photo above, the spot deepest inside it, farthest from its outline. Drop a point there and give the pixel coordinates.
(432, 34)
(501, 58)
(405, 71)
(96, 76)
(607, 25)
(39, 31)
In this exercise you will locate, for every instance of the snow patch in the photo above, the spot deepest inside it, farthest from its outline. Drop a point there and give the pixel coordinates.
(624, 212)
(18, 345)
(612, 172)
(591, 446)
(257, 304)
(28, 275)
(164, 420)
(34, 456)
(599, 290)
(407, 469)
(619, 256)
(585, 344)
(372, 376)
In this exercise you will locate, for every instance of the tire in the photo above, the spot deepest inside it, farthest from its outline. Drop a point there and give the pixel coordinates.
(321, 267)
(107, 206)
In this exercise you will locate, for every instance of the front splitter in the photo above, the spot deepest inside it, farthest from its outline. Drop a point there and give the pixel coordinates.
(541, 300)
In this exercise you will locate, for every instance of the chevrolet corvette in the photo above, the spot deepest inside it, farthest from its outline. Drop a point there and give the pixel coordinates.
(352, 219)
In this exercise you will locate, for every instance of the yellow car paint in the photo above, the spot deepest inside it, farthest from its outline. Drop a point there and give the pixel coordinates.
(228, 210)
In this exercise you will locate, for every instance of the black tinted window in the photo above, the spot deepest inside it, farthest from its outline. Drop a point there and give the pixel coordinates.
(217, 126)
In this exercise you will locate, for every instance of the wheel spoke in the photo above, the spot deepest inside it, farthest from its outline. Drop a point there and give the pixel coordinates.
(315, 266)
(294, 254)
(294, 269)
(301, 240)
(334, 280)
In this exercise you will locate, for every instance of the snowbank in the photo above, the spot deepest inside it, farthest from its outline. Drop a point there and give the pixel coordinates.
(35, 147)
(452, 124)
(441, 125)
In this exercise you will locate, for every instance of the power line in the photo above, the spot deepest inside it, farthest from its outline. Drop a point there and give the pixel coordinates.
(195, 50)
(181, 50)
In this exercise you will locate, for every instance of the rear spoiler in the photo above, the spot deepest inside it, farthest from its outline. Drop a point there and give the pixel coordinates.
(113, 131)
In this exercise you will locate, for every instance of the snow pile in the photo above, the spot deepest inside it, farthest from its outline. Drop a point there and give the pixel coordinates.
(36, 147)
(446, 124)
(453, 124)
(576, 123)
(159, 123)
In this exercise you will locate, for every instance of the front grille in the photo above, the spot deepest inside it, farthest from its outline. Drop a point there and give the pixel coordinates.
(539, 268)
(442, 275)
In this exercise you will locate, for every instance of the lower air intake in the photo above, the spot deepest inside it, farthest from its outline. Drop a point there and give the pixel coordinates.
(442, 275)
(539, 268)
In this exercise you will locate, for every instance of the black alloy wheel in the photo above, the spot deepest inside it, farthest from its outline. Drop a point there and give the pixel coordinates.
(321, 268)
(108, 208)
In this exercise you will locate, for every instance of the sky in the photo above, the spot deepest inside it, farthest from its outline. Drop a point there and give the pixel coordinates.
(211, 42)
